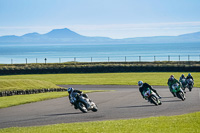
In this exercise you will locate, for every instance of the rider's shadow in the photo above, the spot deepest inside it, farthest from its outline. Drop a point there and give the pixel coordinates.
(138, 106)
(171, 101)
(167, 97)
(64, 114)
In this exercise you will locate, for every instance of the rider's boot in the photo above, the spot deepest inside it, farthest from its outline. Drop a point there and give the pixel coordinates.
(173, 94)
(158, 95)
(75, 107)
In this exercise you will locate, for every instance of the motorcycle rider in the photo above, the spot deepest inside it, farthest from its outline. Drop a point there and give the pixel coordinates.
(189, 76)
(143, 86)
(182, 77)
(71, 98)
(172, 81)
(180, 80)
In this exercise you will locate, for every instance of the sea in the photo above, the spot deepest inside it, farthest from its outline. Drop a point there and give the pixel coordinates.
(59, 53)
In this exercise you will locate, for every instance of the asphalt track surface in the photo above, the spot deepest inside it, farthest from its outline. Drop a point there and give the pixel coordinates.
(123, 103)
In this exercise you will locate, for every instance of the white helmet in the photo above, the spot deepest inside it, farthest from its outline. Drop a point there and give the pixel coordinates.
(140, 83)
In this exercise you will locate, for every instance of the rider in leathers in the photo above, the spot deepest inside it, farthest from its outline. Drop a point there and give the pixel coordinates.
(71, 98)
(182, 77)
(144, 86)
(172, 81)
(189, 77)
(180, 81)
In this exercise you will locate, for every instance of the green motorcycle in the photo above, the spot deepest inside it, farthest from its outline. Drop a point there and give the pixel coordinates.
(176, 90)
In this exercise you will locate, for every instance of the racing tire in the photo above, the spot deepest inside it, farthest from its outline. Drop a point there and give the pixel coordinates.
(95, 109)
(82, 107)
(181, 96)
(159, 102)
(154, 100)
(190, 88)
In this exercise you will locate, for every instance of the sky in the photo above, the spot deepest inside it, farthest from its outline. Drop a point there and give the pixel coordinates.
(109, 18)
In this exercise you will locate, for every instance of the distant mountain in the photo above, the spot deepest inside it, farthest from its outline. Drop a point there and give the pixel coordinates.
(62, 33)
(66, 36)
(32, 35)
(185, 38)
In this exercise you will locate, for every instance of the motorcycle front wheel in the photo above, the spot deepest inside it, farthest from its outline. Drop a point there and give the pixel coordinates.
(95, 108)
(154, 100)
(190, 88)
(181, 96)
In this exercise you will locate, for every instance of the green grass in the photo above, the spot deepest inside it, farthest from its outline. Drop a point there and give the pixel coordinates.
(23, 99)
(24, 84)
(188, 123)
(153, 78)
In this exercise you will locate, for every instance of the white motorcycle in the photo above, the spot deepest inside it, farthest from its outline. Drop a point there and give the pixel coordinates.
(190, 84)
(151, 97)
(82, 102)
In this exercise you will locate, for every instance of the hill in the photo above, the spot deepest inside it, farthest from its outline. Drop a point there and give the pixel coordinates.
(66, 36)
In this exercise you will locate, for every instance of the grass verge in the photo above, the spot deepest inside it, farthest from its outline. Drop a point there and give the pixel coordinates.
(24, 84)
(153, 78)
(187, 123)
(23, 99)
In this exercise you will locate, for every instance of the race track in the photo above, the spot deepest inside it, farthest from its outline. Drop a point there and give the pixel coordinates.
(123, 103)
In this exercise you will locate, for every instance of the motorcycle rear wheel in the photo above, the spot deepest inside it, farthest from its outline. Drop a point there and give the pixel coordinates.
(82, 107)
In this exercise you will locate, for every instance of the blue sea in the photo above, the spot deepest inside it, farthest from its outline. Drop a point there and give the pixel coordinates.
(13, 54)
